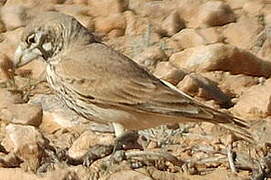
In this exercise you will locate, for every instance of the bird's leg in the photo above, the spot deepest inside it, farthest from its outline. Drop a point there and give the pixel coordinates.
(119, 129)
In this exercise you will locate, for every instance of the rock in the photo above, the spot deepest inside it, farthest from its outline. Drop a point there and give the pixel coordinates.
(238, 84)
(188, 10)
(236, 4)
(87, 140)
(27, 143)
(197, 85)
(10, 42)
(215, 13)
(243, 33)
(106, 8)
(188, 38)
(112, 22)
(6, 68)
(167, 72)
(26, 114)
(232, 85)
(17, 173)
(35, 69)
(254, 7)
(15, 12)
(128, 175)
(56, 115)
(220, 57)
(79, 11)
(9, 97)
(211, 34)
(172, 24)
(150, 57)
(255, 102)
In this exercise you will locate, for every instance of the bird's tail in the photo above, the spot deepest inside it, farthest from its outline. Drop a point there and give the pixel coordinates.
(238, 126)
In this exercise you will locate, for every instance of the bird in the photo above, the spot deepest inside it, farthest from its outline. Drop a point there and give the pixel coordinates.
(103, 85)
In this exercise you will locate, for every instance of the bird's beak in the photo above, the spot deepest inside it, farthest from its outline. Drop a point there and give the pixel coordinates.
(23, 55)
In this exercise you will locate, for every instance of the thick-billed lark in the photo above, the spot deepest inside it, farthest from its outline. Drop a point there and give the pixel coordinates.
(103, 85)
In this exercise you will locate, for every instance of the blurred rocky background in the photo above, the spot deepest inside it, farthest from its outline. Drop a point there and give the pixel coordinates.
(218, 51)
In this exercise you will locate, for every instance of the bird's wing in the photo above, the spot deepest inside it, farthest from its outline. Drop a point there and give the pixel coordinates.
(102, 75)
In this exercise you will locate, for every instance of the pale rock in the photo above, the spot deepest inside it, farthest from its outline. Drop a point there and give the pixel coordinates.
(243, 33)
(255, 102)
(106, 8)
(236, 4)
(167, 72)
(112, 22)
(232, 85)
(221, 57)
(17, 173)
(238, 84)
(9, 97)
(253, 7)
(188, 9)
(27, 143)
(85, 2)
(87, 140)
(172, 24)
(188, 38)
(10, 42)
(197, 85)
(79, 12)
(26, 114)
(150, 57)
(155, 9)
(13, 16)
(129, 175)
(215, 13)
(211, 34)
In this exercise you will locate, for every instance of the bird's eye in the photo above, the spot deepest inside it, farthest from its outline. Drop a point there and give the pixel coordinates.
(31, 39)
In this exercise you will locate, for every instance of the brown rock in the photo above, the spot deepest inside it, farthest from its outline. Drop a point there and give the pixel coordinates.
(56, 114)
(34, 69)
(26, 142)
(244, 32)
(220, 57)
(150, 57)
(6, 68)
(15, 12)
(9, 97)
(197, 85)
(215, 13)
(107, 24)
(129, 175)
(107, 7)
(87, 140)
(255, 102)
(188, 38)
(26, 114)
(167, 72)
(172, 24)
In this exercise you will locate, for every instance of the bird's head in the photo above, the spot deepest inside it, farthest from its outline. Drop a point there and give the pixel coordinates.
(47, 35)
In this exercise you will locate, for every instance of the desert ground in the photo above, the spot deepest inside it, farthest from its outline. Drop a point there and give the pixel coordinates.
(216, 51)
